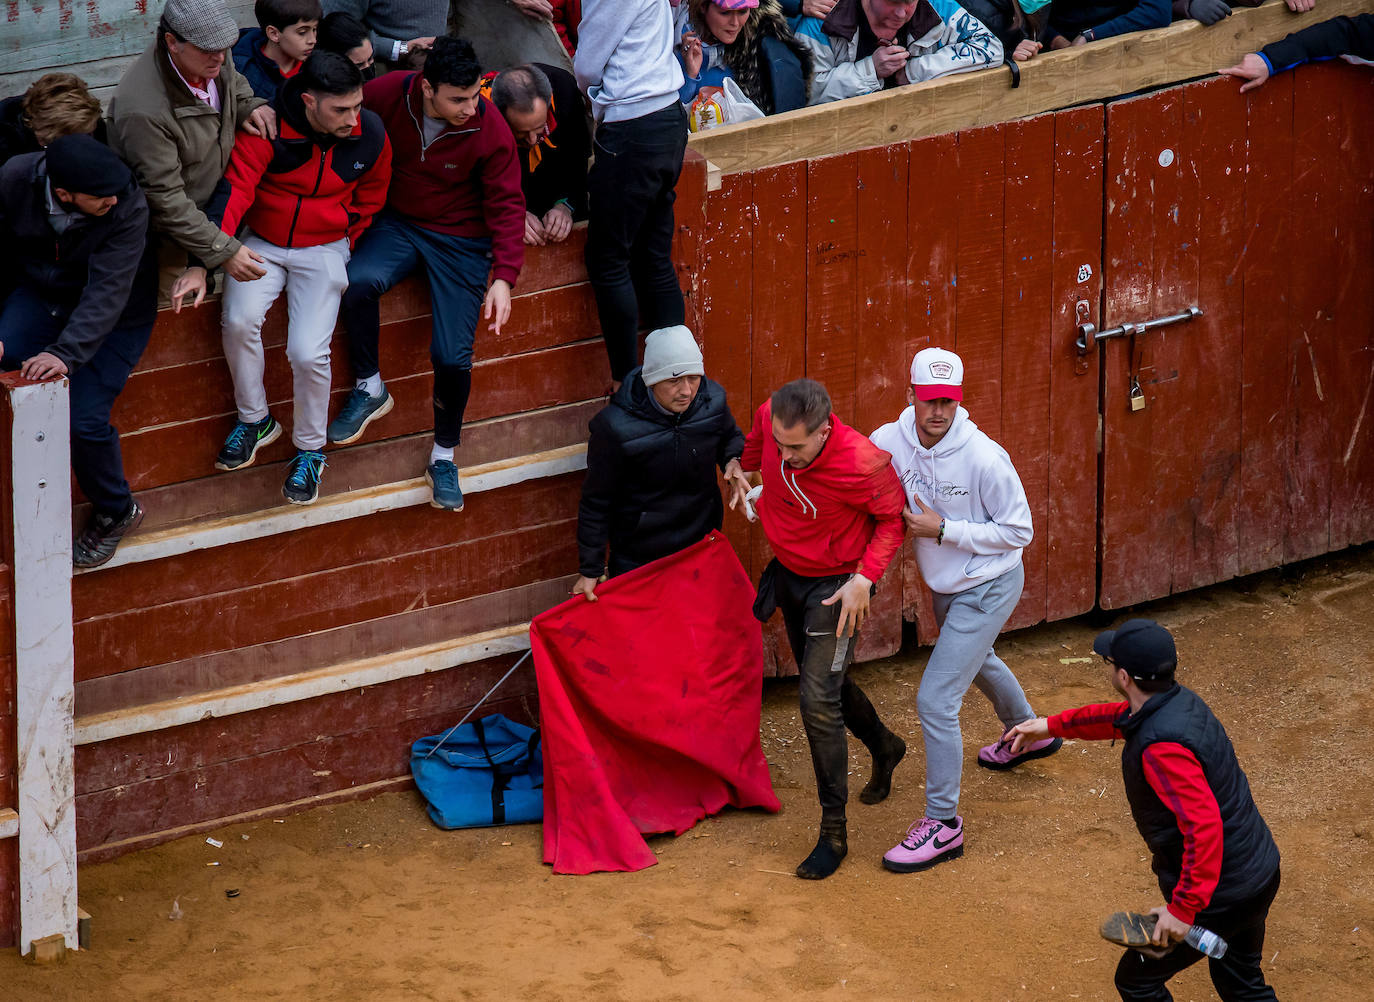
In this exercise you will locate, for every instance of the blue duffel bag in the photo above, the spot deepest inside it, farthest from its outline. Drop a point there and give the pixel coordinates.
(487, 772)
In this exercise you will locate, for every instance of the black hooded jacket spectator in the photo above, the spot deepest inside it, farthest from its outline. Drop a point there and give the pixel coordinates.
(100, 271)
(1099, 19)
(651, 486)
(562, 170)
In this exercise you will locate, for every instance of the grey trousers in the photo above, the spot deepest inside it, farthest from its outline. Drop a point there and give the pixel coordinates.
(969, 623)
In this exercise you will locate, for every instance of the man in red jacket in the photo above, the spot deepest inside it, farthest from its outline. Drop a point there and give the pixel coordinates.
(832, 511)
(456, 212)
(306, 197)
(1213, 854)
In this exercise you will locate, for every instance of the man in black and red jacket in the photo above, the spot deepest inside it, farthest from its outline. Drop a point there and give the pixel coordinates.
(306, 198)
(1217, 864)
(454, 212)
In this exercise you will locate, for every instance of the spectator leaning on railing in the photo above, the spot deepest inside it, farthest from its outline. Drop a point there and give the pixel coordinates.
(750, 42)
(56, 104)
(78, 296)
(1078, 22)
(306, 197)
(1212, 11)
(544, 109)
(173, 119)
(1347, 38)
(271, 53)
(864, 46)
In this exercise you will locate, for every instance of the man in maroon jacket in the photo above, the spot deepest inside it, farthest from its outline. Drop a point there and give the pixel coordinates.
(831, 509)
(306, 197)
(454, 211)
(1217, 864)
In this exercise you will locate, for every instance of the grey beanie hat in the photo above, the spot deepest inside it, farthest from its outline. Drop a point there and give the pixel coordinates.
(671, 352)
(206, 24)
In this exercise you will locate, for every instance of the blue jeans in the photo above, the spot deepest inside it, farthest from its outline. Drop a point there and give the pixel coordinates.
(28, 326)
(969, 623)
(457, 268)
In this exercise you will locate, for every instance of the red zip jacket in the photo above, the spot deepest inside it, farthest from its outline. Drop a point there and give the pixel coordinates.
(466, 184)
(840, 515)
(294, 191)
(1177, 778)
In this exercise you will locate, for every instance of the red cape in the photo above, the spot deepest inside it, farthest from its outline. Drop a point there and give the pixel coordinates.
(649, 700)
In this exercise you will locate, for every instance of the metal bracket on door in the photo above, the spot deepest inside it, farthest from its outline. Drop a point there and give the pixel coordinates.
(1088, 335)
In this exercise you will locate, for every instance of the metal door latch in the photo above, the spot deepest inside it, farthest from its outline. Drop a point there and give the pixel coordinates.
(1088, 335)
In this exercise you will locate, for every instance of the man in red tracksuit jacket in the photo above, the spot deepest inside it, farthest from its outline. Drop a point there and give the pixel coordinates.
(456, 213)
(1217, 864)
(831, 508)
(306, 197)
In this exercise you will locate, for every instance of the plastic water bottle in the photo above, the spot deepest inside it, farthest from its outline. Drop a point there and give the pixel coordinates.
(1206, 941)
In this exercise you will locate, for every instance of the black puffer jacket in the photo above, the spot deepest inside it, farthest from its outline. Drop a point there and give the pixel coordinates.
(651, 486)
(1249, 857)
(100, 274)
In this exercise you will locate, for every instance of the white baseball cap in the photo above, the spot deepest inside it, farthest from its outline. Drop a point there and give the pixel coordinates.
(937, 373)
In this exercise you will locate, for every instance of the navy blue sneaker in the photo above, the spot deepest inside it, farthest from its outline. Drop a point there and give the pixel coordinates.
(243, 443)
(359, 410)
(303, 477)
(443, 480)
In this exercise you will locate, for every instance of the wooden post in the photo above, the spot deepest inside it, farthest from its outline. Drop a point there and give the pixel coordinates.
(40, 479)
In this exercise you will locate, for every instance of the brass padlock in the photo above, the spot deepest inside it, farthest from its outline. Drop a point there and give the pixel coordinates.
(1137, 395)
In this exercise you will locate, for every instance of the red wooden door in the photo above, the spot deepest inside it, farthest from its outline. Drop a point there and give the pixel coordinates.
(1253, 447)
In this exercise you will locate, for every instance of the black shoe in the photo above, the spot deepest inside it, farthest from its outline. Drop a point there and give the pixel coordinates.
(885, 759)
(302, 484)
(243, 443)
(99, 540)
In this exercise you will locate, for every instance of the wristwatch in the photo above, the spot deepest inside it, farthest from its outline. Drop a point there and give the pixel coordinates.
(1088, 35)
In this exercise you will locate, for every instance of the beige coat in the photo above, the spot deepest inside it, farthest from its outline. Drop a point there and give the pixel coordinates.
(179, 147)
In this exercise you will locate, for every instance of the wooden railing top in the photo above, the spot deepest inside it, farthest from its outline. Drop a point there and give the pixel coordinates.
(1051, 81)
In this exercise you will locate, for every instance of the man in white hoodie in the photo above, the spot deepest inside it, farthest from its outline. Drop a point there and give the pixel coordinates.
(968, 513)
(626, 67)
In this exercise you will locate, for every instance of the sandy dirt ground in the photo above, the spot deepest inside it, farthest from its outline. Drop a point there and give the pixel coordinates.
(369, 901)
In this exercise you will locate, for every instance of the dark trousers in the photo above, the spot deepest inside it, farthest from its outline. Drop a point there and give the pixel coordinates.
(28, 326)
(457, 268)
(630, 192)
(1237, 976)
(830, 699)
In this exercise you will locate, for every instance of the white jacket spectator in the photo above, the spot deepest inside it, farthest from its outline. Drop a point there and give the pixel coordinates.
(857, 46)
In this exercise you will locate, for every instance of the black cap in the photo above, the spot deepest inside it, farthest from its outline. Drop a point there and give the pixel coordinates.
(1141, 646)
(83, 165)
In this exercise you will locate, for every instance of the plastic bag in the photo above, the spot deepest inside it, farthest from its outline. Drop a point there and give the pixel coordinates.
(724, 105)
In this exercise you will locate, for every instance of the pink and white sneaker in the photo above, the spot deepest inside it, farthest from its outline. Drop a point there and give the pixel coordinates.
(999, 755)
(927, 842)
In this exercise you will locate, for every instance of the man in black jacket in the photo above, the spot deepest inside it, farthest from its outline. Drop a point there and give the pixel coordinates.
(1216, 862)
(544, 109)
(651, 486)
(79, 300)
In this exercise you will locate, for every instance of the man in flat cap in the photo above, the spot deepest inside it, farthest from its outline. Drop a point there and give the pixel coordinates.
(173, 118)
(78, 296)
(1217, 864)
(652, 457)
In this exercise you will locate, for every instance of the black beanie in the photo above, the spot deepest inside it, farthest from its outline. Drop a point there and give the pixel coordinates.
(84, 166)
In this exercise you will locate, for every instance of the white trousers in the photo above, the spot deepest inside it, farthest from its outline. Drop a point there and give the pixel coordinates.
(314, 278)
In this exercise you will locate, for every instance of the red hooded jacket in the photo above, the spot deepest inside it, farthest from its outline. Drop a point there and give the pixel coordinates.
(295, 191)
(841, 514)
(465, 184)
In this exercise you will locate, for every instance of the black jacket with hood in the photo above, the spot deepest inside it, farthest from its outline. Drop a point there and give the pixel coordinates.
(101, 273)
(651, 487)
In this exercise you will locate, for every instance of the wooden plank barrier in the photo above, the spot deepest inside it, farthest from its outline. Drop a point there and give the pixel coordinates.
(1098, 71)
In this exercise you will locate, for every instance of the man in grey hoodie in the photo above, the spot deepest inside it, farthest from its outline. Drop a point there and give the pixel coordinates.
(625, 65)
(968, 513)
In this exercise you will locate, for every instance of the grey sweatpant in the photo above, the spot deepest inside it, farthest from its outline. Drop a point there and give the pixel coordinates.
(969, 623)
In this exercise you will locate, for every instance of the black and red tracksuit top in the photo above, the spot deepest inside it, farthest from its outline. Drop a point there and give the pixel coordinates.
(1189, 797)
(302, 189)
